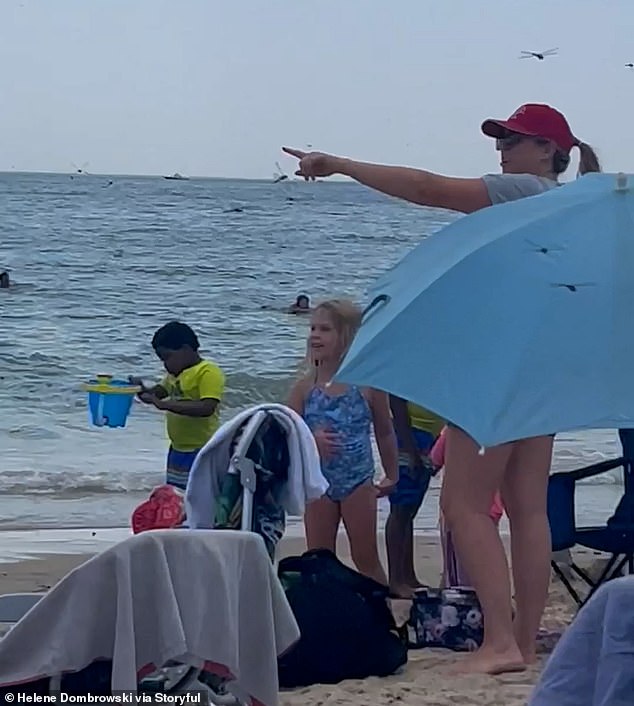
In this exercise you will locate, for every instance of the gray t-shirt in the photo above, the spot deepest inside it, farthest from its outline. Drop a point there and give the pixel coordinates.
(509, 187)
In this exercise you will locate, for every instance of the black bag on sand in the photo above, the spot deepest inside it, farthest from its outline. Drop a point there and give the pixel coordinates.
(347, 628)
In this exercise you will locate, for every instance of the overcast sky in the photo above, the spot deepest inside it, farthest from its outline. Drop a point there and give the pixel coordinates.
(215, 87)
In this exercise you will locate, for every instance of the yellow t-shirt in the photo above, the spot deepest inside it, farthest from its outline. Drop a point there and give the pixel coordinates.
(202, 381)
(424, 420)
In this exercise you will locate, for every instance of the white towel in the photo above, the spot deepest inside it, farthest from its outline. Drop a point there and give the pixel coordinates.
(190, 596)
(305, 479)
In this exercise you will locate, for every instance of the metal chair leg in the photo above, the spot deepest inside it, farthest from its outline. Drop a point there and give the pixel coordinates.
(562, 577)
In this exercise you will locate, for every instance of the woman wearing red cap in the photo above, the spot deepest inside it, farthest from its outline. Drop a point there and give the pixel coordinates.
(535, 145)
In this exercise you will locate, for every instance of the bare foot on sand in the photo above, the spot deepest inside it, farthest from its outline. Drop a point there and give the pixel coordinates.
(488, 661)
(528, 648)
(529, 654)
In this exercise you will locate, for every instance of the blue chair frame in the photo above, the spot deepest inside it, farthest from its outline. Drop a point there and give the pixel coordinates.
(615, 538)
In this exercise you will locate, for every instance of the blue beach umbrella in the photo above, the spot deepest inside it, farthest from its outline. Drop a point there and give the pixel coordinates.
(515, 321)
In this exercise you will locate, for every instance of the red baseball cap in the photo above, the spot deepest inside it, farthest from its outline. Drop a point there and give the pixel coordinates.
(535, 120)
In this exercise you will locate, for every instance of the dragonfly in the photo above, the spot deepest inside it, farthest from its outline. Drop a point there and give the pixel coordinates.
(279, 175)
(541, 55)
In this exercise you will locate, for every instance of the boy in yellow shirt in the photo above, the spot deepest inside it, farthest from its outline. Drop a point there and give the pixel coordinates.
(190, 394)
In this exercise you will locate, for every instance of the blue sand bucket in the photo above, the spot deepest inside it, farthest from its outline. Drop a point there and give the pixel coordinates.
(109, 401)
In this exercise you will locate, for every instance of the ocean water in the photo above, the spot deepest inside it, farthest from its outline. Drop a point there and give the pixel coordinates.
(100, 262)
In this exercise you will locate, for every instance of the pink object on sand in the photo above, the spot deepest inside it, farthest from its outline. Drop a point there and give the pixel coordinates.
(165, 509)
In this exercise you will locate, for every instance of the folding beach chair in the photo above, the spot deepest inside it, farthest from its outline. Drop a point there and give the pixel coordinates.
(257, 471)
(258, 467)
(615, 538)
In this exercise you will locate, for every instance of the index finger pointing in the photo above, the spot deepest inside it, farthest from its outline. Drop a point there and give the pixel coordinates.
(293, 152)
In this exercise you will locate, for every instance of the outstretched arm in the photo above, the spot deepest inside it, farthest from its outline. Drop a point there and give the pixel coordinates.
(415, 185)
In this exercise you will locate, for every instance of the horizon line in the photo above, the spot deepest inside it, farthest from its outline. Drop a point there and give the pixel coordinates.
(45, 172)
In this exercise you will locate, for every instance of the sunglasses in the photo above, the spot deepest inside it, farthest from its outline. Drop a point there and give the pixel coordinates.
(514, 138)
(509, 141)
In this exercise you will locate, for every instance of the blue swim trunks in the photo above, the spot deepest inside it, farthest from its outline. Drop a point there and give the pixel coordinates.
(179, 464)
(410, 490)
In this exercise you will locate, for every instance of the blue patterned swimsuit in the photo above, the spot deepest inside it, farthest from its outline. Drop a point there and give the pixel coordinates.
(347, 415)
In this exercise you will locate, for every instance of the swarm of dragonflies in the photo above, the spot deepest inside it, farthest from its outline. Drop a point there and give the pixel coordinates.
(540, 55)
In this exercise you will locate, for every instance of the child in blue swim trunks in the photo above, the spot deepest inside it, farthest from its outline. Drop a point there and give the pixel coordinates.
(342, 418)
(416, 430)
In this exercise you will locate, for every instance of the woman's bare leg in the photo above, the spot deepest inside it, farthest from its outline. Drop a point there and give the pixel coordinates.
(359, 512)
(469, 486)
(524, 493)
(321, 522)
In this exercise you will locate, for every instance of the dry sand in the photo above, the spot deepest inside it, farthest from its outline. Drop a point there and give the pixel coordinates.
(425, 680)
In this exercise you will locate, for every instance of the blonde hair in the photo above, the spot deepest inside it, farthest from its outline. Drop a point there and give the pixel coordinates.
(346, 320)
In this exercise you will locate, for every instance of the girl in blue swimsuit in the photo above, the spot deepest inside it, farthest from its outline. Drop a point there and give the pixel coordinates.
(342, 418)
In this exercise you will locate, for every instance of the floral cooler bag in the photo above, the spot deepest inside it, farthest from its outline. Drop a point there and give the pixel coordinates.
(449, 618)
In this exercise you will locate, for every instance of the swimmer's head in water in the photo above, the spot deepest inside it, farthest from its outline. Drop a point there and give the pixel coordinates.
(4, 280)
(302, 302)
(177, 346)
